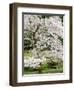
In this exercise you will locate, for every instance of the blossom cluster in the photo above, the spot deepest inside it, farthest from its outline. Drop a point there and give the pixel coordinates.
(33, 62)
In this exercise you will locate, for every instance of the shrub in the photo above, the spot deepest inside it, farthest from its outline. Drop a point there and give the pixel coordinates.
(54, 62)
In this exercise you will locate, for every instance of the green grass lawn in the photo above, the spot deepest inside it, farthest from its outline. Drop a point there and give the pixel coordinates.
(60, 70)
(44, 69)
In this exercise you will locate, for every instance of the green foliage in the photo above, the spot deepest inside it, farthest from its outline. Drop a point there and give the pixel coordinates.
(49, 47)
(61, 18)
(61, 39)
(54, 62)
(46, 16)
(51, 35)
(43, 16)
(27, 44)
(27, 34)
(28, 53)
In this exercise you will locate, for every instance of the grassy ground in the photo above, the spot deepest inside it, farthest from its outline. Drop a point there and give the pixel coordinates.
(44, 69)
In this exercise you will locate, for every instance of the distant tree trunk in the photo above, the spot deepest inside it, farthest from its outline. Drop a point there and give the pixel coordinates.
(34, 34)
